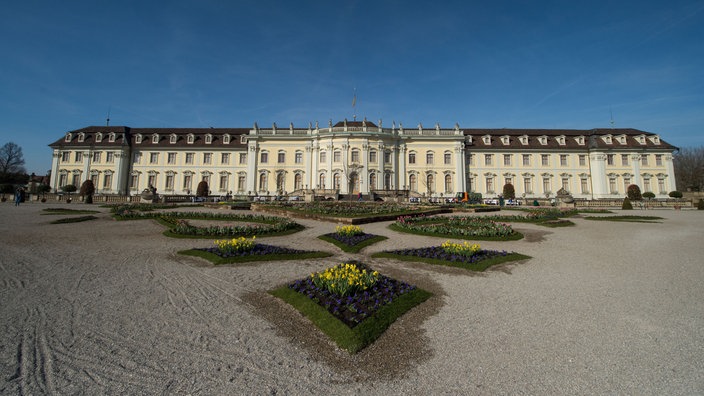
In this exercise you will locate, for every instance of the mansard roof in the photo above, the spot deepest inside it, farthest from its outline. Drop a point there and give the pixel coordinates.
(593, 138)
(129, 135)
(356, 124)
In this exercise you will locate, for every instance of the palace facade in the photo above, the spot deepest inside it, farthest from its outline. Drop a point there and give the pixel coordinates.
(354, 157)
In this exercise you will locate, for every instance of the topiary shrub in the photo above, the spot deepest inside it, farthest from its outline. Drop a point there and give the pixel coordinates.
(509, 191)
(675, 194)
(202, 190)
(627, 204)
(87, 190)
(633, 193)
(648, 195)
(69, 188)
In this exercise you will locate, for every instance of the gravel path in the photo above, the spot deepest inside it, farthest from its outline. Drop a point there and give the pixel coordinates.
(107, 307)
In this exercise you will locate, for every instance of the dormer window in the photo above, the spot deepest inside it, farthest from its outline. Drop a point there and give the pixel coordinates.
(640, 139)
(543, 140)
(111, 137)
(560, 140)
(579, 140)
(607, 139)
(81, 137)
(523, 139)
(190, 139)
(621, 139)
(173, 138)
(138, 138)
(226, 138)
(486, 139)
(243, 139)
(68, 137)
(155, 138)
(98, 137)
(505, 140)
(208, 138)
(655, 139)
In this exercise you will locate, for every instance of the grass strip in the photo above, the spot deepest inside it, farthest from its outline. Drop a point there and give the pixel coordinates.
(215, 259)
(633, 219)
(477, 267)
(74, 219)
(65, 211)
(513, 237)
(352, 339)
(353, 249)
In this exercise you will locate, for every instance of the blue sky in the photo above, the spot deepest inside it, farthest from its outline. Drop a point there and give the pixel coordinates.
(488, 64)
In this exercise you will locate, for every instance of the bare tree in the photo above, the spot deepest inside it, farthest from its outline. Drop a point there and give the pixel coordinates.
(11, 159)
(689, 168)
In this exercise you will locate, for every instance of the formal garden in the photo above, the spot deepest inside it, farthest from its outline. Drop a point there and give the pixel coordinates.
(351, 302)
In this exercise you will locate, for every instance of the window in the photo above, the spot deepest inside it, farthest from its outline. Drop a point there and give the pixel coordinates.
(563, 159)
(526, 159)
(658, 160)
(172, 139)
(644, 160)
(661, 186)
(138, 138)
(545, 159)
(98, 137)
(372, 181)
(411, 158)
(355, 155)
(241, 180)
(76, 179)
(169, 182)
(65, 156)
(471, 159)
(429, 158)
(507, 159)
(298, 157)
(646, 184)
(208, 139)
(264, 158)
(566, 184)
(281, 158)
(626, 183)
(546, 185)
(190, 138)
(224, 158)
(223, 182)
(337, 156)
(413, 182)
(134, 181)
(67, 138)
(189, 158)
(582, 160)
(430, 183)
(624, 159)
(107, 181)
(321, 181)
(489, 184)
(137, 158)
(152, 179)
(280, 182)
(527, 185)
(79, 156)
(154, 158)
(387, 157)
(609, 159)
(226, 139)
(584, 184)
(171, 158)
(336, 181)
(448, 183)
(372, 156)
(111, 137)
(487, 159)
(155, 138)
(110, 157)
(262, 181)
(187, 182)
(243, 158)
(94, 178)
(323, 157)
(448, 159)
(206, 177)
(508, 180)
(63, 179)
(612, 185)
(297, 182)
(387, 181)
(207, 158)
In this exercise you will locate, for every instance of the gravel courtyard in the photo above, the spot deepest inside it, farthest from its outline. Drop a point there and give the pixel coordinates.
(108, 307)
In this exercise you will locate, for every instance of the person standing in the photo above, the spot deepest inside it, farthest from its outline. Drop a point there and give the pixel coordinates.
(18, 197)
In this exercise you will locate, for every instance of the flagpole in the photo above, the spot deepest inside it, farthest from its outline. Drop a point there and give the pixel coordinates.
(354, 103)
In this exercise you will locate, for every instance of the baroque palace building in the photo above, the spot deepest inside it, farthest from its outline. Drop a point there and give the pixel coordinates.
(353, 157)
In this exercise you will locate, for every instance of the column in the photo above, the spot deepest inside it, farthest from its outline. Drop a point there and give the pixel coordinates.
(597, 172)
(635, 160)
(252, 176)
(365, 187)
(670, 171)
(54, 181)
(402, 179)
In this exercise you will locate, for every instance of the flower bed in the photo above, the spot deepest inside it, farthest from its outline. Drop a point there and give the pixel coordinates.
(355, 314)
(351, 238)
(241, 249)
(462, 227)
(345, 209)
(467, 256)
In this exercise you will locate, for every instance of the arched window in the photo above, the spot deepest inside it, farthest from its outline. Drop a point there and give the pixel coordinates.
(413, 182)
(321, 181)
(387, 181)
(262, 181)
(336, 181)
(430, 183)
(372, 181)
(297, 181)
(448, 183)
(280, 186)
